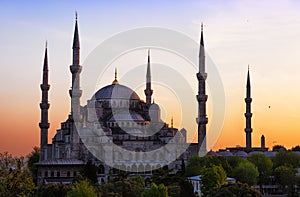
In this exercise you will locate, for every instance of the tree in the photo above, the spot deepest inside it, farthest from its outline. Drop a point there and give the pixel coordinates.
(235, 189)
(246, 172)
(33, 158)
(296, 148)
(89, 171)
(53, 190)
(177, 184)
(156, 191)
(82, 188)
(286, 158)
(264, 166)
(15, 179)
(285, 176)
(196, 163)
(211, 178)
(131, 187)
(233, 162)
(278, 148)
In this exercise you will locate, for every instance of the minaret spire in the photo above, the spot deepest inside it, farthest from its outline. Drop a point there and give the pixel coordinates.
(44, 106)
(76, 43)
(148, 91)
(201, 38)
(248, 114)
(75, 92)
(202, 98)
(116, 78)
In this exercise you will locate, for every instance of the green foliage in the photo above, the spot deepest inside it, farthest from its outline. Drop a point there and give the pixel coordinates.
(211, 178)
(233, 162)
(264, 166)
(196, 163)
(235, 190)
(131, 187)
(286, 158)
(53, 190)
(89, 171)
(15, 179)
(33, 158)
(285, 175)
(83, 189)
(246, 172)
(156, 191)
(173, 182)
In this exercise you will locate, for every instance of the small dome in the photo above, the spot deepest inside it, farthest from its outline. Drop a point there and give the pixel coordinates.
(225, 153)
(116, 91)
(212, 153)
(241, 154)
(154, 106)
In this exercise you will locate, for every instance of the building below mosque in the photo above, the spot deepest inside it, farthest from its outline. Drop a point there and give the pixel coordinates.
(115, 130)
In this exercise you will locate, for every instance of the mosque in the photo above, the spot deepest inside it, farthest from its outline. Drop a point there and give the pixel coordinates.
(115, 129)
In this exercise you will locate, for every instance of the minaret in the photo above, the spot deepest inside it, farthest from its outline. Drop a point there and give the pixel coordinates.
(75, 68)
(75, 92)
(44, 105)
(248, 113)
(201, 98)
(148, 91)
(262, 142)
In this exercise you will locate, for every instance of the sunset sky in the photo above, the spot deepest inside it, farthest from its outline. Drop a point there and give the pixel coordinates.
(262, 34)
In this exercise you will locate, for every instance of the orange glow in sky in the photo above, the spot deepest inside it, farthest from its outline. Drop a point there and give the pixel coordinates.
(264, 35)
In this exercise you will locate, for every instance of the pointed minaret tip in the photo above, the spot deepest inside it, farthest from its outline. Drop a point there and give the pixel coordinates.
(45, 68)
(76, 43)
(248, 77)
(201, 39)
(148, 52)
(116, 76)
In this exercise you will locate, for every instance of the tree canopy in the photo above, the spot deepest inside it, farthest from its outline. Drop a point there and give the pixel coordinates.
(286, 158)
(211, 178)
(156, 191)
(264, 166)
(246, 172)
(236, 190)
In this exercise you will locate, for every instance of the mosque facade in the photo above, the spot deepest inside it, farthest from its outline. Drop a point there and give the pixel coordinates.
(115, 129)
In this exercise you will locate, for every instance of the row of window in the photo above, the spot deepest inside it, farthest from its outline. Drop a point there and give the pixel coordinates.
(133, 124)
(57, 174)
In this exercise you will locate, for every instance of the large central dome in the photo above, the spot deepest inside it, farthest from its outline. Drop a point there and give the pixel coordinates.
(116, 91)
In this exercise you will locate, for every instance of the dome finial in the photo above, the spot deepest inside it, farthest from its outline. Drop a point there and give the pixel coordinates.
(116, 76)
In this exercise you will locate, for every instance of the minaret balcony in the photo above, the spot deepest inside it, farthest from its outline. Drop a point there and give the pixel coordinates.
(248, 130)
(201, 76)
(202, 98)
(44, 105)
(248, 100)
(45, 87)
(44, 125)
(203, 120)
(248, 115)
(75, 93)
(75, 68)
(148, 92)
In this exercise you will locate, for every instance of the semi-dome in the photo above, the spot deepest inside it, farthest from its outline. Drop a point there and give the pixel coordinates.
(116, 91)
